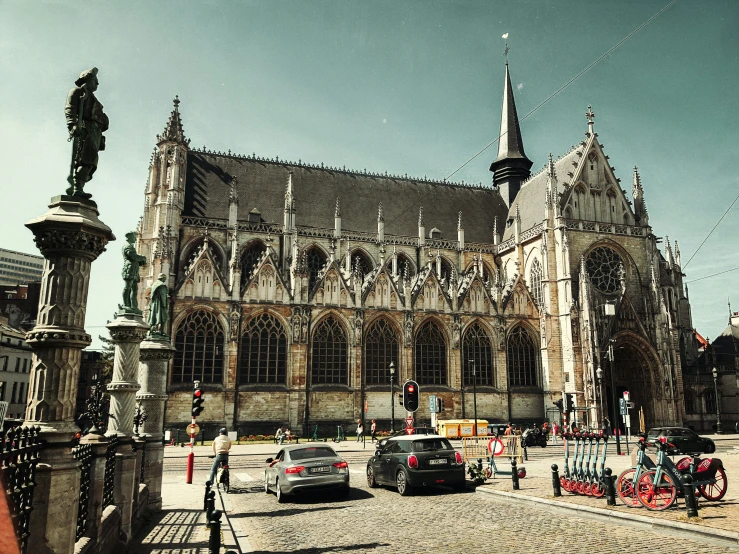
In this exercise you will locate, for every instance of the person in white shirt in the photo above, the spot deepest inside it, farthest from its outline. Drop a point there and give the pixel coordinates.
(221, 446)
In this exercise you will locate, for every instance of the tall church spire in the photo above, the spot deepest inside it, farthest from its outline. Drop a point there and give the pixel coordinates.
(173, 130)
(511, 167)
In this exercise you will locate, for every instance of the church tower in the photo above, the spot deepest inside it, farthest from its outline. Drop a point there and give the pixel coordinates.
(511, 167)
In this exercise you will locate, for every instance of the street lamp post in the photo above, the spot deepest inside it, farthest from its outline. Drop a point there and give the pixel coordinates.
(474, 392)
(392, 397)
(613, 395)
(718, 401)
(601, 401)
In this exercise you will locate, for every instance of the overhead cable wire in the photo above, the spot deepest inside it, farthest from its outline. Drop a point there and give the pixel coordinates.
(627, 37)
(712, 275)
(711, 232)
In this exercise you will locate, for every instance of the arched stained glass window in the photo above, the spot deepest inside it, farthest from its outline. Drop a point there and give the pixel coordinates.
(380, 348)
(249, 260)
(330, 353)
(522, 359)
(476, 346)
(430, 355)
(315, 260)
(604, 268)
(198, 349)
(535, 283)
(362, 262)
(263, 351)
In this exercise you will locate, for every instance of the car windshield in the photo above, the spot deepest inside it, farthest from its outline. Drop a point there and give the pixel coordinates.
(312, 452)
(431, 445)
(653, 433)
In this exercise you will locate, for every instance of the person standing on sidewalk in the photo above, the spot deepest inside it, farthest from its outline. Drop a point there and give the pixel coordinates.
(373, 430)
(360, 430)
(221, 446)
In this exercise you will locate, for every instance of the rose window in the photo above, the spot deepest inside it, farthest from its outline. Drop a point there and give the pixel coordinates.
(604, 269)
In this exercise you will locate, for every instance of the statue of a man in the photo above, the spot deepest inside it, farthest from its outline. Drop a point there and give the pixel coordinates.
(86, 123)
(159, 306)
(131, 263)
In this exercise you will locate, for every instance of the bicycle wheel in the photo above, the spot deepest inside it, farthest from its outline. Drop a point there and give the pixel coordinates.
(717, 489)
(656, 496)
(625, 488)
(226, 481)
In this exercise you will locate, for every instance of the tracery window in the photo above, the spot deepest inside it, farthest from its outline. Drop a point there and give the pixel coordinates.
(689, 402)
(249, 260)
(604, 269)
(404, 261)
(476, 346)
(330, 358)
(380, 348)
(535, 283)
(361, 263)
(198, 349)
(315, 260)
(521, 358)
(709, 402)
(263, 351)
(430, 355)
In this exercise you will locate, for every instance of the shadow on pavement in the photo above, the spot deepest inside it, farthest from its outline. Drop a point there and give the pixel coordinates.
(172, 531)
(344, 548)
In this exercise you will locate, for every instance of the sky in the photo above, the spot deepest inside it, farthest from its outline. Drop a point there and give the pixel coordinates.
(400, 86)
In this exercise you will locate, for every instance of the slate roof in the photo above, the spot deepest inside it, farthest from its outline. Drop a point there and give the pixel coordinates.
(261, 184)
(531, 199)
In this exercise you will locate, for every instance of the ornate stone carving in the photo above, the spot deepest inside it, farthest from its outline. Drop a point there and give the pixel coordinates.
(408, 329)
(125, 335)
(358, 326)
(456, 331)
(233, 321)
(51, 241)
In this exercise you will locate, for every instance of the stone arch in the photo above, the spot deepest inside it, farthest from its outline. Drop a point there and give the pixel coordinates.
(382, 343)
(217, 251)
(477, 345)
(249, 256)
(430, 352)
(315, 258)
(523, 363)
(404, 258)
(329, 344)
(200, 346)
(264, 349)
(366, 261)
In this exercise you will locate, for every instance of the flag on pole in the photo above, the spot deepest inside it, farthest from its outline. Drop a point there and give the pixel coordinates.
(642, 427)
(505, 36)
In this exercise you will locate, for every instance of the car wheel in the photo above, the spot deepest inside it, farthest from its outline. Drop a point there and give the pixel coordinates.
(710, 448)
(401, 481)
(281, 496)
(266, 484)
(371, 482)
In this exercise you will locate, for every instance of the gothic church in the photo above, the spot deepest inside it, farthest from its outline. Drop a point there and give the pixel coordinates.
(293, 302)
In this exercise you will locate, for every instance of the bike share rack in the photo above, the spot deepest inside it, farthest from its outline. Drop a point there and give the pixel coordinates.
(584, 477)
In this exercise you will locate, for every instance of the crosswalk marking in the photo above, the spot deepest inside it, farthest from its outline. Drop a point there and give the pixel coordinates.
(244, 477)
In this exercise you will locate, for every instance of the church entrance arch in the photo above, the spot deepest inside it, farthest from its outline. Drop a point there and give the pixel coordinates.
(636, 370)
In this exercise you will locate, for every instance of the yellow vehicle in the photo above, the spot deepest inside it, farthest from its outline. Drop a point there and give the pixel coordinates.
(458, 428)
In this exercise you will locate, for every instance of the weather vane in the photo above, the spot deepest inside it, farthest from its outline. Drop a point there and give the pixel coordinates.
(505, 52)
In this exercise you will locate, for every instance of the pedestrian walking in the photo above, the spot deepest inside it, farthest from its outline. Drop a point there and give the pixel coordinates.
(373, 430)
(606, 427)
(360, 430)
(555, 431)
(508, 430)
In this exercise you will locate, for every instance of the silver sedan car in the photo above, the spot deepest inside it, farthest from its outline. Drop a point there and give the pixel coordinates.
(305, 467)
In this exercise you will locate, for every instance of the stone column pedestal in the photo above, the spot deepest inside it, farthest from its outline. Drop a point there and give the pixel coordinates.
(70, 236)
(126, 484)
(156, 351)
(99, 445)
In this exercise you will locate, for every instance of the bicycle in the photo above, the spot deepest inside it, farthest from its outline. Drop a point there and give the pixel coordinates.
(222, 476)
(627, 481)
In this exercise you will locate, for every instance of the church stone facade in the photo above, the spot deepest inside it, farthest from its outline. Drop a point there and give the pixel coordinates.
(296, 287)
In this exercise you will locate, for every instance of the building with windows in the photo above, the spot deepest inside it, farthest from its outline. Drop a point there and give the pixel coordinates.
(15, 369)
(297, 289)
(17, 268)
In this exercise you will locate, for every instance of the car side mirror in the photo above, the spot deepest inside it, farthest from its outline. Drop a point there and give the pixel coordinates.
(268, 460)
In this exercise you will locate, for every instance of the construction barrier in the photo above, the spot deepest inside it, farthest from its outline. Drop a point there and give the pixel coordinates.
(508, 446)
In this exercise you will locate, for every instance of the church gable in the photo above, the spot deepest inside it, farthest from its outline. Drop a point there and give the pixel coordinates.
(266, 283)
(331, 288)
(594, 192)
(519, 302)
(474, 296)
(380, 291)
(428, 294)
(203, 277)
(627, 319)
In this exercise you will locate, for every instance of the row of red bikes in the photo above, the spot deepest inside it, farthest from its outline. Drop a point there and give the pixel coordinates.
(653, 483)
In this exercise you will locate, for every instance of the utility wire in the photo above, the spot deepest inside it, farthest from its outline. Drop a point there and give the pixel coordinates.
(712, 275)
(568, 83)
(632, 33)
(709, 234)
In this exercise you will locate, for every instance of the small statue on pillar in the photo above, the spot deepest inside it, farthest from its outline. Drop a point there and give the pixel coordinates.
(132, 261)
(139, 418)
(86, 123)
(159, 307)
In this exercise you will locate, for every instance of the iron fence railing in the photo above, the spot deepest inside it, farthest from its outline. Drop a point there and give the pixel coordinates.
(19, 454)
(83, 454)
(143, 463)
(109, 479)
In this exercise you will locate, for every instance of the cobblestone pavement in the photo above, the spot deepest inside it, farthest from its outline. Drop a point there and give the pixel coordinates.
(436, 520)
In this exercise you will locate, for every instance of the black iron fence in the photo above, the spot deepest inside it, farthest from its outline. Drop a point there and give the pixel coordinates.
(109, 482)
(143, 462)
(20, 453)
(83, 453)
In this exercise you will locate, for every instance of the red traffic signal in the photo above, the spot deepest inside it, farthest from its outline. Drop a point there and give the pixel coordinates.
(410, 396)
(197, 401)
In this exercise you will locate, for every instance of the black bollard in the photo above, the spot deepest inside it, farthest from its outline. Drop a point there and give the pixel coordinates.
(525, 453)
(514, 474)
(214, 541)
(555, 480)
(211, 505)
(208, 484)
(610, 488)
(690, 502)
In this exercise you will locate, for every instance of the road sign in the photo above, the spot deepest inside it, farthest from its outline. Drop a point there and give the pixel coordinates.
(626, 396)
(496, 447)
(622, 406)
(193, 429)
(432, 403)
(409, 421)
(630, 405)
(627, 421)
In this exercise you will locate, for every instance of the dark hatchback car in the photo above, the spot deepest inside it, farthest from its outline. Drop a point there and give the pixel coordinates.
(686, 440)
(414, 461)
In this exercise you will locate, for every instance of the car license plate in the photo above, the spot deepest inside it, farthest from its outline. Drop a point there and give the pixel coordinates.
(440, 461)
(321, 469)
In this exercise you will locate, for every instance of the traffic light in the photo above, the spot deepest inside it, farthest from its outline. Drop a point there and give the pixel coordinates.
(560, 405)
(197, 400)
(410, 396)
(569, 403)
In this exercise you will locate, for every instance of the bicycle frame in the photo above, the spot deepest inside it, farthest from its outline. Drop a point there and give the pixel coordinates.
(580, 472)
(593, 472)
(573, 473)
(586, 473)
(566, 438)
